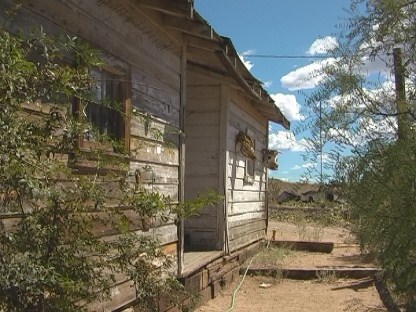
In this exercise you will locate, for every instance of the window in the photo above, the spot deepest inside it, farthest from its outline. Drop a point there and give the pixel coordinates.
(246, 144)
(106, 108)
(249, 170)
(250, 163)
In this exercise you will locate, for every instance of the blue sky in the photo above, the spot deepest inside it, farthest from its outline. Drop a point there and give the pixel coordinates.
(280, 27)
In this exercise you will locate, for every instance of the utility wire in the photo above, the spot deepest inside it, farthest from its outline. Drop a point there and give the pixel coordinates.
(286, 56)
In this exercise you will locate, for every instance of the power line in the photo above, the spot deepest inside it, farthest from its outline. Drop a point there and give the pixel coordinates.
(286, 56)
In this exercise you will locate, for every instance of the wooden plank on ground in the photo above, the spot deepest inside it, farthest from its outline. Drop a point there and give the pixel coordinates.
(311, 246)
(313, 273)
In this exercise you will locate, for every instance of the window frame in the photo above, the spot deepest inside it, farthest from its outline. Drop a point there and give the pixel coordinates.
(89, 143)
(249, 162)
(250, 170)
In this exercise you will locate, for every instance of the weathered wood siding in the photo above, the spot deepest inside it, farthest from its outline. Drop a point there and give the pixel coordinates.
(202, 131)
(152, 62)
(246, 197)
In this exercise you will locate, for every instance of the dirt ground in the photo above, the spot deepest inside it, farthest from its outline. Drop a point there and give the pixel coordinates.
(326, 294)
(346, 252)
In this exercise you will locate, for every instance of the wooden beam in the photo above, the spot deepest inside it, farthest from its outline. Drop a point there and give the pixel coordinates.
(154, 19)
(169, 7)
(266, 108)
(272, 113)
(189, 26)
(202, 56)
(209, 44)
(229, 65)
(181, 225)
(209, 71)
(223, 173)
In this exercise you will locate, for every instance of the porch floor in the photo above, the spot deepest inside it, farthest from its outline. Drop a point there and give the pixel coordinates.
(194, 260)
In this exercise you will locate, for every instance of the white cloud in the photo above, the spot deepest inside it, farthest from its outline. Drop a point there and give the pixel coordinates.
(326, 158)
(368, 130)
(379, 65)
(322, 45)
(286, 140)
(309, 76)
(342, 136)
(306, 77)
(267, 84)
(288, 105)
(304, 166)
(248, 52)
(249, 65)
(384, 95)
(371, 128)
(367, 126)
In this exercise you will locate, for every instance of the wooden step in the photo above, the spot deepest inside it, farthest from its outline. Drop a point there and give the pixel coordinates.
(313, 273)
(311, 246)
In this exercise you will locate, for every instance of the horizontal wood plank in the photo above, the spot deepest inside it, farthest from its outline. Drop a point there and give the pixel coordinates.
(148, 151)
(246, 196)
(146, 103)
(197, 117)
(156, 88)
(246, 208)
(247, 229)
(153, 129)
(150, 173)
(241, 185)
(246, 216)
(120, 295)
(247, 240)
(203, 131)
(244, 108)
(243, 222)
(237, 125)
(204, 92)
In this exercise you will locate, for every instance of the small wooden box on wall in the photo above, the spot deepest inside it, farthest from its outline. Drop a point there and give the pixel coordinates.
(270, 158)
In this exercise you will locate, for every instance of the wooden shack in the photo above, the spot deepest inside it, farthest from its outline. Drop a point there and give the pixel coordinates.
(144, 70)
(200, 118)
(226, 121)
